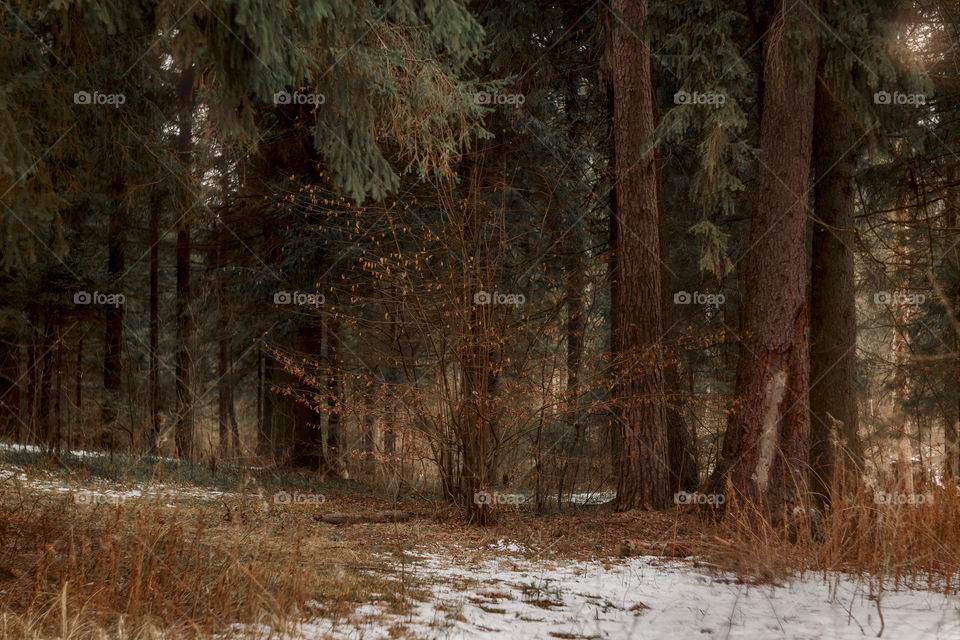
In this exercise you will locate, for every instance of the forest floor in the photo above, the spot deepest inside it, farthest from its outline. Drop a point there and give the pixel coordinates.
(153, 549)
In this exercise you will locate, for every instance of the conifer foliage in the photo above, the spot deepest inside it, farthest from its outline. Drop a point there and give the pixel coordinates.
(493, 252)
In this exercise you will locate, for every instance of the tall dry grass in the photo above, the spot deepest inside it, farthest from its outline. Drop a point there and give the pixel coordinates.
(871, 528)
(145, 570)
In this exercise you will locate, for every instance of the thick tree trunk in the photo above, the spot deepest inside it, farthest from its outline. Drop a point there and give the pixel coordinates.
(833, 323)
(183, 425)
(951, 436)
(766, 446)
(613, 425)
(644, 470)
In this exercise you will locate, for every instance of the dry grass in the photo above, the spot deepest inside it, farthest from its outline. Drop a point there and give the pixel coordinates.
(188, 567)
(142, 569)
(915, 545)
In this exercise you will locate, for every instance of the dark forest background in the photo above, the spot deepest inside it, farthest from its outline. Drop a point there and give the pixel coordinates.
(628, 248)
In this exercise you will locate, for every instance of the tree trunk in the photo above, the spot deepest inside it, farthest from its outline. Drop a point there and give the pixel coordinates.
(153, 237)
(766, 446)
(44, 428)
(367, 442)
(572, 436)
(183, 425)
(78, 391)
(951, 437)
(613, 424)
(224, 399)
(9, 386)
(58, 391)
(334, 394)
(643, 474)
(263, 436)
(833, 323)
(308, 432)
(281, 409)
(33, 382)
(225, 412)
(113, 340)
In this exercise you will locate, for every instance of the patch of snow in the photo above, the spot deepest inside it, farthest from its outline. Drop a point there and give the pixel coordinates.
(112, 493)
(80, 453)
(640, 597)
(507, 545)
(591, 497)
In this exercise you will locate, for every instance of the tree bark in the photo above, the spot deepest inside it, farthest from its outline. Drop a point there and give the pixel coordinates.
(224, 398)
(44, 428)
(58, 391)
(153, 237)
(572, 436)
(33, 381)
(334, 393)
(833, 323)
(9, 387)
(643, 474)
(767, 443)
(951, 437)
(78, 391)
(225, 413)
(183, 425)
(113, 340)
(308, 432)
(613, 425)
(263, 436)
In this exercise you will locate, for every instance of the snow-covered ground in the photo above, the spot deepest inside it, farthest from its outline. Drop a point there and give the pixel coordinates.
(506, 591)
(79, 453)
(107, 493)
(595, 497)
(504, 595)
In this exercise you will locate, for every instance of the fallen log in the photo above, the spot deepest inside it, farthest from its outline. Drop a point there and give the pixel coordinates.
(338, 517)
